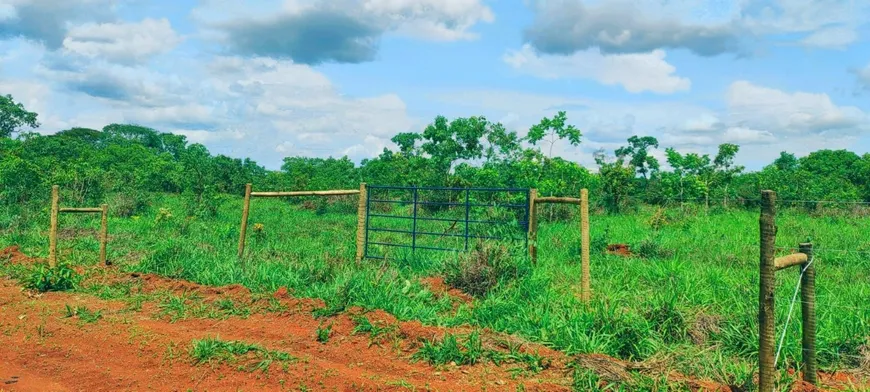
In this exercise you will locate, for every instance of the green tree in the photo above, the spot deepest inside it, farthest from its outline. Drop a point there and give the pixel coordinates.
(554, 129)
(786, 162)
(13, 116)
(638, 152)
(617, 179)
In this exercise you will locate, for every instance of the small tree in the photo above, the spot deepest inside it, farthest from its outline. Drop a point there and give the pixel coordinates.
(637, 151)
(616, 179)
(13, 116)
(555, 129)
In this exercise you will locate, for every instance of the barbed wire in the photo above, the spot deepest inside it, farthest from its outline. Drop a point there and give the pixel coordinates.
(744, 200)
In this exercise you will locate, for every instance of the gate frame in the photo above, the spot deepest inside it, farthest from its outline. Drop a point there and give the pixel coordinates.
(365, 214)
(583, 202)
(246, 207)
(56, 210)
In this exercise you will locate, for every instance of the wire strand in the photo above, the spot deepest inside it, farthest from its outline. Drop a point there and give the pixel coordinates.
(790, 311)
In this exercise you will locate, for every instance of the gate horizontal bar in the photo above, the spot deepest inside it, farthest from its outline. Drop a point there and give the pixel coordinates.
(306, 193)
(79, 210)
(557, 200)
(433, 188)
(520, 223)
(390, 230)
(392, 201)
(412, 247)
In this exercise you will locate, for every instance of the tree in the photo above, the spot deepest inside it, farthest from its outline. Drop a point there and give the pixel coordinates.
(616, 179)
(786, 162)
(13, 116)
(637, 150)
(724, 168)
(556, 129)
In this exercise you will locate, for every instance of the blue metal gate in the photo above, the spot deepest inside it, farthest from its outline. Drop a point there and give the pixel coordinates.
(415, 217)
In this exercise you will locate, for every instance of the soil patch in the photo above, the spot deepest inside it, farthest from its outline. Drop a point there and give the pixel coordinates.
(440, 288)
(619, 250)
(151, 283)
(127, 350)
(13, 255)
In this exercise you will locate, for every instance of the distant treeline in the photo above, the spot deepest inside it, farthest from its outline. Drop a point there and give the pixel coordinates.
(130, 161)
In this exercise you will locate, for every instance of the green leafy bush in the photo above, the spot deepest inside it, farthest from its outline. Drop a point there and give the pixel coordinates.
(44, 278)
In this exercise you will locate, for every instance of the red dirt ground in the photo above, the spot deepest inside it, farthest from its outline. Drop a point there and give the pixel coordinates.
(441, 288)
(619, 250)
(42, 350)
(13, 255)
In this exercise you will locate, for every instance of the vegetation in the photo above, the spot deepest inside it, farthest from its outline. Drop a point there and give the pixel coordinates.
(687, 297)
(249, 357)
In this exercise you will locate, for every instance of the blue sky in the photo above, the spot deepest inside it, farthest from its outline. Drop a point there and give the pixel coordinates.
(272, 78)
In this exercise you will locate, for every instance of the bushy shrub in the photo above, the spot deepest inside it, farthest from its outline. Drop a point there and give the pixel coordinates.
(44, 278)
(481, 269)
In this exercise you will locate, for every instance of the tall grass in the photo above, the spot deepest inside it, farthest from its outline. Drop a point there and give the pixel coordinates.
(689, 297)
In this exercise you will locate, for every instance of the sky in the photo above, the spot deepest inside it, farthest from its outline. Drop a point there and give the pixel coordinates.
(267, 79)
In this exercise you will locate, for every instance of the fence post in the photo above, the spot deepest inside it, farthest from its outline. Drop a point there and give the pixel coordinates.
(52, 231)
(245, 209)
(766, 315)
(104, 233)
(361, 222)
(533, 226)
(586, 291)
(808, 313)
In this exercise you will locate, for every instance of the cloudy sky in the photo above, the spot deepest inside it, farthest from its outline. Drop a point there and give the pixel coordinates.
(271, 78)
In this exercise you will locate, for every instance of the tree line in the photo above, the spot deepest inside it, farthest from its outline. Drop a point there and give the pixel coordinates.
(128, 162)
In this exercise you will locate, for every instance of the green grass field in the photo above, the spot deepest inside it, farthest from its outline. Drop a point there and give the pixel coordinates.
(689, 297)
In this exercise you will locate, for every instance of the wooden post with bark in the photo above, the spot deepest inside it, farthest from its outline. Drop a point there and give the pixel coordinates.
(361, 223)
(52, 231)
(246, 208)
(533, 226)
(769, 265)
(766, 315)
(586, 291)
(808, 316)
(104, 232)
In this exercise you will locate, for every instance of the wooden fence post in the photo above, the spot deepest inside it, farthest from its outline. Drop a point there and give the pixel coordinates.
(808, 313)
(586, 291)
(361, 223)
(766, 315)
(533, 226)
(244, 230)
(52, 231)
(104, 233)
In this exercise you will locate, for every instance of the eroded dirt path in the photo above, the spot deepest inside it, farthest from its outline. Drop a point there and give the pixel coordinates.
(43, 350)
(139, 348)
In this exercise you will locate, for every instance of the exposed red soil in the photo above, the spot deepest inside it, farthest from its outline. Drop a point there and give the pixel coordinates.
(42, 350)
(13, 255)
(136, 351)
(619, 250)
(441, 288)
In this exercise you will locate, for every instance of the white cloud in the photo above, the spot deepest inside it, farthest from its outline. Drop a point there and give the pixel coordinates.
(47, 21)
(249, 107)
(705, 27)
(790, 113)
(831, 38)
(634, 72)
(122, 42)
(762, 120)
(295, 29)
